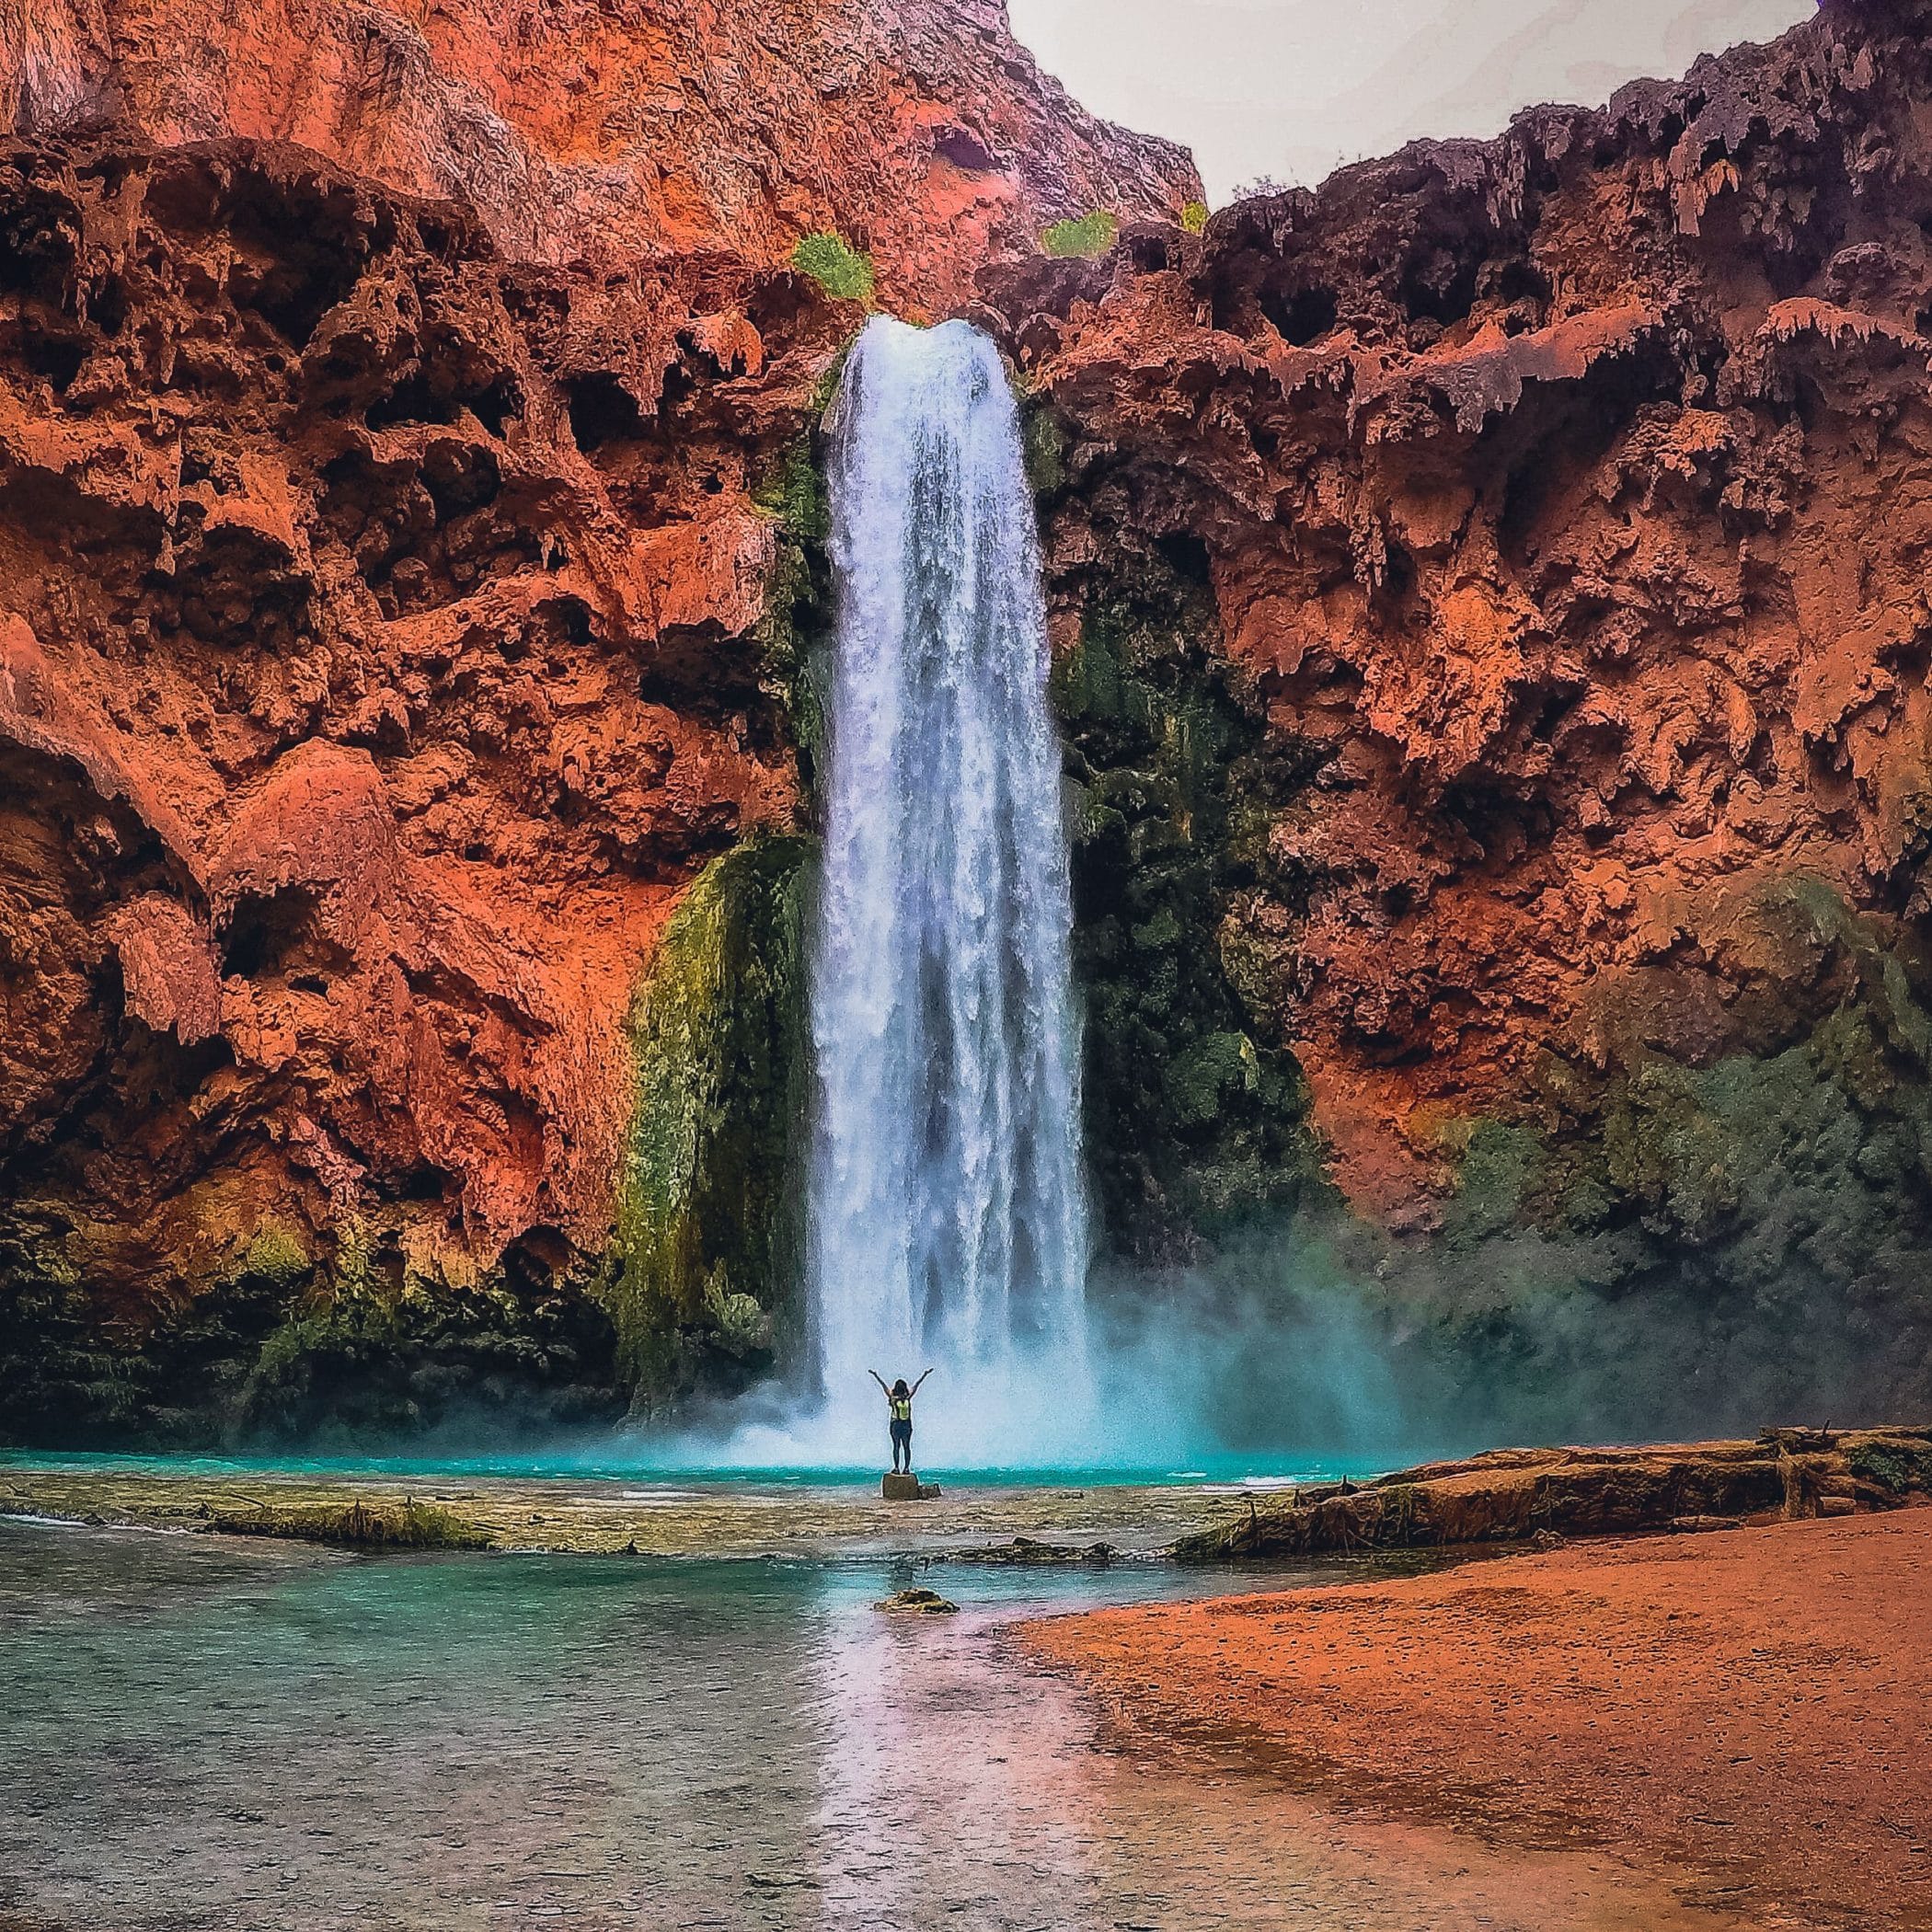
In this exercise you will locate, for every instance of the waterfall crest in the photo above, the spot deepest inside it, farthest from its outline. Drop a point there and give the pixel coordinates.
(947, 1220)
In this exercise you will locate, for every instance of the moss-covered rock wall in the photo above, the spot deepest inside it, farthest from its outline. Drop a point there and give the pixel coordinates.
(704, 1291)
(1195, 1116)
(329, 1340)
(1761, 1219)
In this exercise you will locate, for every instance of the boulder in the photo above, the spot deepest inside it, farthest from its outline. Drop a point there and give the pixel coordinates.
(916, 1602)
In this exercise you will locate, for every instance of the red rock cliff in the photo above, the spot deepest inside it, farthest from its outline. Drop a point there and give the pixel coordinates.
(380, 651)
(388, 630)
(607, 130)
(1509, 560)
(1562, 500)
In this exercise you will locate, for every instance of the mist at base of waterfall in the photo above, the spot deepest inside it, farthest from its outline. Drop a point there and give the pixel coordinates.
(969, 1419)
(1181, 1381)
(1274, 1357)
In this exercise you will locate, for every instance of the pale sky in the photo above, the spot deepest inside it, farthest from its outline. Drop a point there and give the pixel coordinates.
(1293, 88)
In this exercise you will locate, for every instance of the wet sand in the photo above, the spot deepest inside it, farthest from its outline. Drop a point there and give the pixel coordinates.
(1744, 1712)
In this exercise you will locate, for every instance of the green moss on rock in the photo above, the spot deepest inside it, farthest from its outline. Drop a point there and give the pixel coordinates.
(1897, 1468)
(1084, 238)
(360, 1363)
(337, 1347)
(278, 1255)
(1195, 1112)
(1671, 1241)
(1495, 1176)
(379, 1525)
(842, 270)
(705, 1289)
(790, 629)
(1043, 442)
(794, 492)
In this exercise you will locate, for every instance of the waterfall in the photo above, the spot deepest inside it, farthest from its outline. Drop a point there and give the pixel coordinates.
(947, 1219)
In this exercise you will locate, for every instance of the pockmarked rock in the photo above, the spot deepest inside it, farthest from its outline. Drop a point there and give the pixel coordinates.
(586, 133)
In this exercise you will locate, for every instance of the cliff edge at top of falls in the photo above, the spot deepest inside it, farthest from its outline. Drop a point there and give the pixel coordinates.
(606, 130)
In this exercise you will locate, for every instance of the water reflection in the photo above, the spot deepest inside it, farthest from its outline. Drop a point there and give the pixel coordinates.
(952, 1784)
(199, 1735)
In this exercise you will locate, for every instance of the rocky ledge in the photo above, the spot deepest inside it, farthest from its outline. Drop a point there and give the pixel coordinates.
(631, 1515)
(1542, 1496)
(580, 133)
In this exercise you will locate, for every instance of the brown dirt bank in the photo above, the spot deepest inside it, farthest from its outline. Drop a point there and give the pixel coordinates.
(1746, 1709)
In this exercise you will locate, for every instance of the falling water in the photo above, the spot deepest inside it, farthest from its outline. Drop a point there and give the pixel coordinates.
(948, 1223)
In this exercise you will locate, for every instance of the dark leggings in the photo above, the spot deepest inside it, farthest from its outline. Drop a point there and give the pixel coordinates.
(901, 1444)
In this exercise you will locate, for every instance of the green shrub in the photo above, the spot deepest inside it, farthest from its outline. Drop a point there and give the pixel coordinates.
(842, 271)
(794, 492)
(1084, 239)
(1896, 1466)
(1194, 217)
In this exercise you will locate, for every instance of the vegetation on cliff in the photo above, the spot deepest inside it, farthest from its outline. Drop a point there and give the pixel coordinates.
(1081, 238)
(1688, 1239)
(1191, 1121)
(842, 272)
(343, 1349)
(709, 1240)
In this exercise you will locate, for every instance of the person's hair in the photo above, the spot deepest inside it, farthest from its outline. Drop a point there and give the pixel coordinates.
(899, 1387)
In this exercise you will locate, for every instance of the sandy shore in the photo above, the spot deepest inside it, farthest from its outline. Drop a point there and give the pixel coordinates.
(1747, 1711)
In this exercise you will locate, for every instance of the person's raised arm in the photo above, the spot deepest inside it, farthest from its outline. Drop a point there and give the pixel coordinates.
(921, 1383)
(882, 1382)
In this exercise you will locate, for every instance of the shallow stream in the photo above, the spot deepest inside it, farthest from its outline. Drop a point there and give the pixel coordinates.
(199, 1733)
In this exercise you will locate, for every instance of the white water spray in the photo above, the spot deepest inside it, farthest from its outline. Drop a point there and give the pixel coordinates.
(947, 1220)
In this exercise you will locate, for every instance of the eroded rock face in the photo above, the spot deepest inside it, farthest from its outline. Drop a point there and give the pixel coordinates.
(384, 645)
(609, 130)
(403, 522)
(1560, 501)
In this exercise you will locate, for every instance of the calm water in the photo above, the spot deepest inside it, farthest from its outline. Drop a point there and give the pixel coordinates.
(201, 1734)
